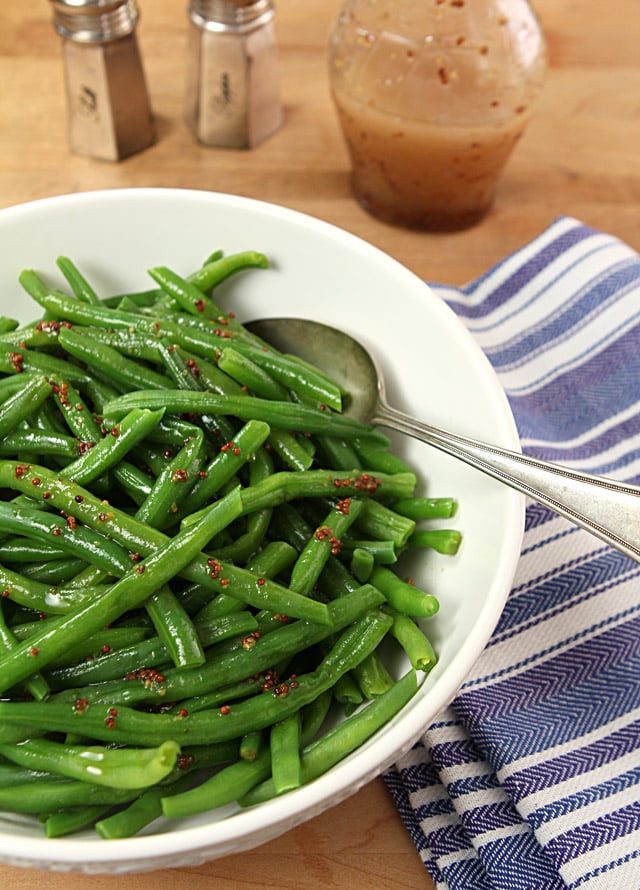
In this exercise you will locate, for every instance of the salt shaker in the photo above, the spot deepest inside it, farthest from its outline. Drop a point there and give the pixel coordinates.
(233, 84)
(108, 106)
(432, 98)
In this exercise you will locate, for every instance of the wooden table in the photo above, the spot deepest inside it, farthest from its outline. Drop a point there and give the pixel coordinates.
(579, 157)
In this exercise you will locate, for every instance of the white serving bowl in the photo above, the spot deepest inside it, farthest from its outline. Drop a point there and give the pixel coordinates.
(434, 370)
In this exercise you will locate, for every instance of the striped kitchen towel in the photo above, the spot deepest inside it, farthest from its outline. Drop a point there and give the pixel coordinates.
(531, 778)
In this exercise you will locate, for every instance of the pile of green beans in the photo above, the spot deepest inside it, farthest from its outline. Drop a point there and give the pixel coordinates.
(199, 560)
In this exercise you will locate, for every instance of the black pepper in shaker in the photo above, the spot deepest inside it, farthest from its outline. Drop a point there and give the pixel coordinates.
(109, 115)
(233, 84)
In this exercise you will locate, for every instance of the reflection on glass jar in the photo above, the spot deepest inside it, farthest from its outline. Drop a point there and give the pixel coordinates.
(432, 96)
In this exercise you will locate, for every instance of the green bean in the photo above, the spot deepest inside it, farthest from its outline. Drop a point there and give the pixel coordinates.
(119, 369)
(147, 653)
(36, 335)
(35, 363)
(219, 268)
(127, 531)
(127, 593)
(348, 693)
(175, 628)
(402, 595)
(64, 822)
(335, 580)
(8, 324)
(221, 670)
(99, 392)
(36, 685)
(40, 443)
(285, 754)
(79, 284)
(377, 458)
(131, 726)
(184, 292)
(134, 481)
(250, 745)
(274, 558)
(198, 341)
(173, 484)
(325, 540)
(296, 373)
(278, 414)
(288, 486)
(415, 643)
(127, 343)
(372, 676)
(141, 812)
(310, 384)
(18, 549)
(90, 575)
(185, 375)
(211, 377)
(126, 768)
(231, 457)
(109, 450)
(148, 807)
(381, 522)
(75, 540)
(23, 403)
(257, 522)
(40, 796)
(74, 410)
(442, 540)
(12, 384)
(344, 738)
(426, 508)
(11, 775)
(247, 373)
(222, 788)
(362, 563)
(339, 453)
(314, 715)
(140, 299)
(381, 552)
(290, 450)
(90, 651)
(222, 696)
(54, 573)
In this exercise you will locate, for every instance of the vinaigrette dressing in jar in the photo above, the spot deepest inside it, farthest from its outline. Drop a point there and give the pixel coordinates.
(432, 96)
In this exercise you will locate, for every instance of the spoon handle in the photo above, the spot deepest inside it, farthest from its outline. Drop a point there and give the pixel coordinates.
(606, 508)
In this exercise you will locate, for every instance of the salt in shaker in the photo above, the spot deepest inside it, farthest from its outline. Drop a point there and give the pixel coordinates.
(108, 106)
(233, 86)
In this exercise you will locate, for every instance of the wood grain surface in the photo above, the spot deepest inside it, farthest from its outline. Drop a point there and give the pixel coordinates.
(579, 157)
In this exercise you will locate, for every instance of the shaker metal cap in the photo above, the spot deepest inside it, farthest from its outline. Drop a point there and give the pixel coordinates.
(239, 16)
(94, 21)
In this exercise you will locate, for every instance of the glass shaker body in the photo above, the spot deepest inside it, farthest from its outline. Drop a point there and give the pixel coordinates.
(432, 96)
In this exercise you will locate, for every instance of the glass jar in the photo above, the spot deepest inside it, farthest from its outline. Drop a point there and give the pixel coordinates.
(432, 96)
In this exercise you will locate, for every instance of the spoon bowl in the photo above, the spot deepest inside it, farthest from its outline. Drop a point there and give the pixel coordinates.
(602, 506)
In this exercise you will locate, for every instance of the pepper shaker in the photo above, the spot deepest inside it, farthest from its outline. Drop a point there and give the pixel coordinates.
(233, 85)
(108, 107)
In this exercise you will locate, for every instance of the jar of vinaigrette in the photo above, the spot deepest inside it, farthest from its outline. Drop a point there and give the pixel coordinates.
(432, 96)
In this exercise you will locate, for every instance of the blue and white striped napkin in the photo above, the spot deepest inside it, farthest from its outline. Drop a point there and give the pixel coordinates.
(531, 778)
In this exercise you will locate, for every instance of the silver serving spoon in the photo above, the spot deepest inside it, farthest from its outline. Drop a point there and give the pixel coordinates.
(606, 508)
